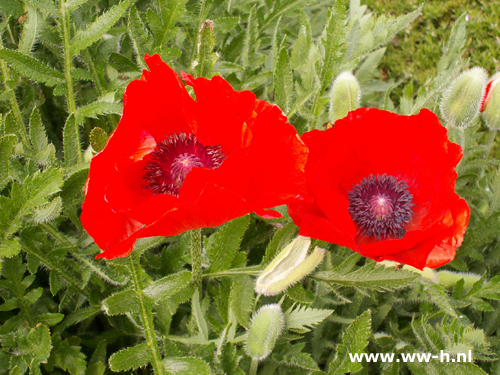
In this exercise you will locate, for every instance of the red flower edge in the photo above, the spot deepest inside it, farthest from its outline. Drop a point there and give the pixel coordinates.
(412, 149)
(263, 160)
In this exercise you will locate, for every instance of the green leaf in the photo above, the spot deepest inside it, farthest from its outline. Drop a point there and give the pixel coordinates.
(72, 5)
(141, 38)
(333, 41)
(7, 143)
(167, 286)
(224, 24)
(45, 6)
(186, 366)
(407, 100)
(283, 81)
(171, 11)
(241, 297)
(199, 316)
(38, 187)
(71, 140)
(50, 319)
(80, 316)
(354, 340)
(31, 67)
(122, 63)
(30, 30)
(221, 247)
(131, 358)
(37, 132)
(48, 212)
(303, 318)
(94, 31)
(10, 248)
(97, 108)
(280, 239)
(123, 302)
(370, 277)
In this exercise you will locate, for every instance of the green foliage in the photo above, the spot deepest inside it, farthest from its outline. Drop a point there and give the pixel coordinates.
(64, 67)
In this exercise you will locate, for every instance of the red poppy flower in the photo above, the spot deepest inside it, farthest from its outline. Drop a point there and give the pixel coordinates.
(383, 185)
(175, 163)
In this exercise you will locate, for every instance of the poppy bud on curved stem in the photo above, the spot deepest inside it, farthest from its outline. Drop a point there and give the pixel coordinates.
(345, 96)
(266, 326)
(461, 101)
(490, 106)
(289, 267)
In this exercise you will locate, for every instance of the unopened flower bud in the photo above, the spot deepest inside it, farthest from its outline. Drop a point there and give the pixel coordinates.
(448, 279)
(462, 99)
(345, 96)
(490, 106)
(289, 266)
(265, 328)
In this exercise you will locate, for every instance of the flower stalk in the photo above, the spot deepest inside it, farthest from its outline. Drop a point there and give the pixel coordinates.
(146, 313)
(196, 259)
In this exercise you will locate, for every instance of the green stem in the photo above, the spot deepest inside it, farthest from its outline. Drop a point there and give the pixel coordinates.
(196, 259)
(252, 271)
(11, 94)
(490, 140)
(67, 57)
(147, 319)
(253, 367)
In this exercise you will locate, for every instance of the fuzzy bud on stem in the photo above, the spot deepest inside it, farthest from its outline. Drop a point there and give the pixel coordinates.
(266, 326)
(345, 96)
(462, 99)
(448, 279)
(490, 106)
(289, 267)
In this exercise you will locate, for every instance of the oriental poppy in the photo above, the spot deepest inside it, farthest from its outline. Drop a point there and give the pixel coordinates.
(383, 185)
(175, 163)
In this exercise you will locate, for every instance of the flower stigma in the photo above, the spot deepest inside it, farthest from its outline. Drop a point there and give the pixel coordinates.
(172, 160)
(381, 207)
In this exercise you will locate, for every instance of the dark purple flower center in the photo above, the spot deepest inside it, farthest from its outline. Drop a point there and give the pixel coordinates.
(172, 160)
(381, 206)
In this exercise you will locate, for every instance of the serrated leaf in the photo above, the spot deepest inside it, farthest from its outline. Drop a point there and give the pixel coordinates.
(303, 318)
(131, 358)
(438, 295)
(241, 297)
(370, 277)
(30, 30)
(45, 6)
(97, 108)
(82, 75)
(221, 247)
(354, 340)
(39, 186)
(167, 286)
(224, 24)
(71, 141)
(186, 366)
(48, 212)
(171, 11)
(37, 132)
(283, 81)
(122, 63)
(10, 248)
(31, 67)
(80, 315)
(94, 31)
(50, 319)
(206, 58)
(142, 40)
(72, 5)
(7, 143)
(123, 302)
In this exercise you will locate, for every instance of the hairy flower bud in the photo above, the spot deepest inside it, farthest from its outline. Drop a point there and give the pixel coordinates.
(448, 279)
(462, 99)
(266, 326)
(345, 96)
(490, 106)
(289, 266)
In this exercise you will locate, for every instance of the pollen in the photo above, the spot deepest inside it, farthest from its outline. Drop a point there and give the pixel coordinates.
(173, 159)
(381, 207)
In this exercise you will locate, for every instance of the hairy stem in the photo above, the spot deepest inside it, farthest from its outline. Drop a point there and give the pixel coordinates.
(253, 366)
(196, 259)
(147, 318)
(67, 57)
